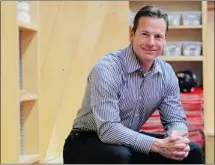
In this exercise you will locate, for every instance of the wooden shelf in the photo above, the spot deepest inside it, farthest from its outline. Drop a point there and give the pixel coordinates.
(29, 158)
(28, 96)
(27, 27)
(182, 58)
(181, 27)
(185, 27)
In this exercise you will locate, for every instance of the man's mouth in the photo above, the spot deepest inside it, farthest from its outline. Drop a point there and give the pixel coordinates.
(149, 50)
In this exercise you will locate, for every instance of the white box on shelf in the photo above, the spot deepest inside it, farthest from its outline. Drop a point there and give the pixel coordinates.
(131, 17)
(24, 17)
(23, 6)
(172, 49)
(192, 48)
(191, 18)
(174, 18)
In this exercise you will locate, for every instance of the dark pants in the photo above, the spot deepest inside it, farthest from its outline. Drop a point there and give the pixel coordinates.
(86, 148)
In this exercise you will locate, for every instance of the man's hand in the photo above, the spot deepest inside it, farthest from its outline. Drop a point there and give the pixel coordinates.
(183, 140)
(173, 147)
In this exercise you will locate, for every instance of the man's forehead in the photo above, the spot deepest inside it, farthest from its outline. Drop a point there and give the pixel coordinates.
(152, 31)
(152, 25)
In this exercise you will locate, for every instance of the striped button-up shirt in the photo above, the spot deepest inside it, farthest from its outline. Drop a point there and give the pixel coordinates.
(119, 99)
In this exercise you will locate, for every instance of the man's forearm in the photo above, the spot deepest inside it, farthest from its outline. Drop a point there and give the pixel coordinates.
(116, 133)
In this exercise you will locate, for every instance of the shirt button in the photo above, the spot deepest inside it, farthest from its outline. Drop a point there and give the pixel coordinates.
(140, 97)
(136, 115)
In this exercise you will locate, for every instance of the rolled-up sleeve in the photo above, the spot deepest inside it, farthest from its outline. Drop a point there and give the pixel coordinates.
(105, 82)
(171, 110)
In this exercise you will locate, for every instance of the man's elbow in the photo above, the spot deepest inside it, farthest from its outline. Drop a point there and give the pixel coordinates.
(106, 135)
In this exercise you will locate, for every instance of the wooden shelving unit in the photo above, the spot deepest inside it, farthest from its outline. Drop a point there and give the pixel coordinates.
(20, 103)
(29, 85)
(182, 58)
(28, 97)
(185, 27)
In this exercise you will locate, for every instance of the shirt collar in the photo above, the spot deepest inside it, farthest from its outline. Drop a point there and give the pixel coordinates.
(132, 64)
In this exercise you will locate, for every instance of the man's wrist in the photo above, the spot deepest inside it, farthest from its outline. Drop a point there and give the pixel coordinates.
(156, 145)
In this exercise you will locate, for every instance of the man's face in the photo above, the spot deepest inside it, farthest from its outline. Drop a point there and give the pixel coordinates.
(149, 39)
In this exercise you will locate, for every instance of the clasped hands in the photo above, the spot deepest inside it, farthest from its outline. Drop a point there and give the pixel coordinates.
(176, 146)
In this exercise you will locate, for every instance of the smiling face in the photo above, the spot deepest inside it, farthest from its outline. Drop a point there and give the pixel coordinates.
(149, 38)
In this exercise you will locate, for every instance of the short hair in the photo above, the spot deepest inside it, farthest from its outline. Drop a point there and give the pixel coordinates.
(150, 11)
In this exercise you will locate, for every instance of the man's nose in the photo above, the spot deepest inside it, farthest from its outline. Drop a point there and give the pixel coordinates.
(150, 41)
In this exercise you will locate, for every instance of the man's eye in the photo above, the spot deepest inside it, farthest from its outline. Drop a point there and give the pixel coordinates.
(158, 37)
(144, 34)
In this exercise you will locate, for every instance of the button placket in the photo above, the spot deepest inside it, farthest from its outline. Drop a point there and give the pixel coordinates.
(140, 97)
(139, 101)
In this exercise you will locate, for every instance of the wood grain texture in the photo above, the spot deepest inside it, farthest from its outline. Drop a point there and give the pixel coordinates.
(209, 91)
(9, 84)
(74, 36)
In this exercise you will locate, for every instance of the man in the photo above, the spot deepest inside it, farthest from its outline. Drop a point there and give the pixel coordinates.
(124, 88)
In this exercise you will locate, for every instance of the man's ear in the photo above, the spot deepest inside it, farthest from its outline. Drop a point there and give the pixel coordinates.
(131, 34)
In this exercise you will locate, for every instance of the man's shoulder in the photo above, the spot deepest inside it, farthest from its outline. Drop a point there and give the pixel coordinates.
(165, 66)
(109, 68)
(166, 69)
(111, 60)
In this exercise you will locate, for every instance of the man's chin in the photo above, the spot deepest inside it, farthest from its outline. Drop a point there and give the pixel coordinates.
(149, 57)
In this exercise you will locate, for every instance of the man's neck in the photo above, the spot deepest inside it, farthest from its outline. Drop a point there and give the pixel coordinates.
(146, 66)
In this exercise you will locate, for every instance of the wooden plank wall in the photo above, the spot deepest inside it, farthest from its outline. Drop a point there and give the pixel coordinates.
(73, 37)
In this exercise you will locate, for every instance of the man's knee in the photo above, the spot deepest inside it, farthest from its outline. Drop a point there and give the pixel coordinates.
(196, 153)
(196, 148)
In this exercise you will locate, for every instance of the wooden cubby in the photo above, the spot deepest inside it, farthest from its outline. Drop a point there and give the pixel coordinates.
(29, 85)
(29, 137)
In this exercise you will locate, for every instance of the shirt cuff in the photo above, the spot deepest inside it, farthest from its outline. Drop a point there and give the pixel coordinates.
(144, 143)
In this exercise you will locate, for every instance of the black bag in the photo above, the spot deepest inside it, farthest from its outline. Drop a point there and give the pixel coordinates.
(187, 80)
